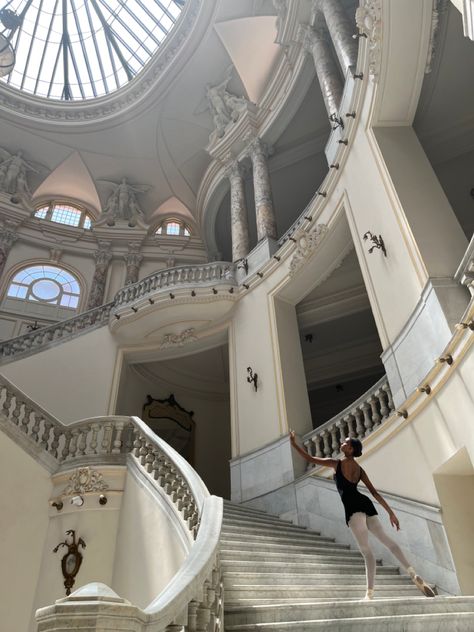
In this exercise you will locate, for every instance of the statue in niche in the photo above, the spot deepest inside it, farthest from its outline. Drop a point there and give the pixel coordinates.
(225, 107)
(122, 203)
(13, 175)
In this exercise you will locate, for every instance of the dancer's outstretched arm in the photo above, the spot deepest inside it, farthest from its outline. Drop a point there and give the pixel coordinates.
(312, 459)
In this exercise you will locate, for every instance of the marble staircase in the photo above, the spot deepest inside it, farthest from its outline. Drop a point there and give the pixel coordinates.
(278, 576)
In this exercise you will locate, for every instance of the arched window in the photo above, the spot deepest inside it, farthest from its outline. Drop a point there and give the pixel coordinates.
(67, 214)
(47, 285)
(173, 227)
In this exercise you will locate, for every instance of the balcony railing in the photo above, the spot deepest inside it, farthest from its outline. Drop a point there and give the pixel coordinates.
(357, 420)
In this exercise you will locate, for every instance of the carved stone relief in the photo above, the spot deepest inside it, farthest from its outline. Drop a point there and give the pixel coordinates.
(307, 242)
(369, 21)
(85, 479)
(178, 340)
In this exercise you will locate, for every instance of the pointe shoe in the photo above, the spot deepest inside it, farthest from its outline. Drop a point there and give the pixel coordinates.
(420, 583)
(369, 595)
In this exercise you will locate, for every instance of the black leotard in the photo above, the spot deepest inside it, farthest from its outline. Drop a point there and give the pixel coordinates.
(351, 497)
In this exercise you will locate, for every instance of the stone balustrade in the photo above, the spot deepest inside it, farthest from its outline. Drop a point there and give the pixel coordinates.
(201, 275)
(357, 420)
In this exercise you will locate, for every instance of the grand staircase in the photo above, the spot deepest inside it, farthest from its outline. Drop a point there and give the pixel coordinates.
(280, 577)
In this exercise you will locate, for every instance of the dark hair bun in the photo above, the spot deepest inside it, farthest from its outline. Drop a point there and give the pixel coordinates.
(356, 447)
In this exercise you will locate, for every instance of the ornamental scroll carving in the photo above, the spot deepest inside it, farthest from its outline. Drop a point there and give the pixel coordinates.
(85, 479)
(307, 242)
(178, 340)
(369, 21)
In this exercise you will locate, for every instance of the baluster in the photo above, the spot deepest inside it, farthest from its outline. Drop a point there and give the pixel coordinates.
(334, 441)
(365, 408)
(386, 387)
(382, 397)
(55, 442)
(143, 451)
(326, 448)
(317, 440)
(136, 443)
(118, 437)
(107, 438)
(192, 616)
(349, 420)
(67, 445)
(308, 444)
(155, 466)
(36, 426)
(149, 458)
(359, 425)
(376, 418)
(341, 427)
(16, 412)
(25, 424)
(47, 425)
(7, 403)
(129, 436)
(82, 443)
(94, 442)
(73, 443)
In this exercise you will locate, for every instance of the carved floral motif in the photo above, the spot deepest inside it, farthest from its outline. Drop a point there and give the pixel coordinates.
(178, 340)
(369, 21)
(85, 479)
(307, 242)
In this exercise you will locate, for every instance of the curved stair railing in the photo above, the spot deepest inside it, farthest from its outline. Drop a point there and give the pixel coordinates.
(205, 275)
(357, 420)
(196, 590)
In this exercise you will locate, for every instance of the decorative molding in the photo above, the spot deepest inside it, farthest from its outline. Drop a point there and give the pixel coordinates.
(439, 7)
(83, 480)
(369, 21)
(178, 340)
(307, 242)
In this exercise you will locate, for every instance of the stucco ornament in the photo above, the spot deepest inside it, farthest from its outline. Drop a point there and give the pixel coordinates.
(13, 175)
(369, 21)
(306, 244)
(178, 340)
(85, 479)
(225, 107)
(122, 203)
(281, 7)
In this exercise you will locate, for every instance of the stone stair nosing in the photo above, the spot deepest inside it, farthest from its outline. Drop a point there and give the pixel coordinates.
(279, 576)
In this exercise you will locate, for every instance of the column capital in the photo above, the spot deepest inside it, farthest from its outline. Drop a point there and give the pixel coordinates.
(258, 147)
(103, 254)
(236, 169)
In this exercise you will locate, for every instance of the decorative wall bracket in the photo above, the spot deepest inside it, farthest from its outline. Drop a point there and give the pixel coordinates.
(377, 242)
(72, 560)
(252, 378)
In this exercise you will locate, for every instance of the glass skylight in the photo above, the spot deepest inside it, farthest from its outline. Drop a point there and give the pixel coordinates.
(81, 49)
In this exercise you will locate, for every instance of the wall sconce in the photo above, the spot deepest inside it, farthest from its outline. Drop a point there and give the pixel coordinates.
(308, 218)
(322, 193)
(292, 239)
(334, 118)
(360, 75)
(243, 265)
(334, 166)
(252, 378)
(351, 115)
(78, 501)
(246, 286)
(278, 258)
(342, 141)
(102, 499)
(426, 389)
(135, 309)
(260, 274)
(58, 504)
(448, 358)
(377, 242)
(71, 560)
(402, 413)
(469, 325)
(33, 326)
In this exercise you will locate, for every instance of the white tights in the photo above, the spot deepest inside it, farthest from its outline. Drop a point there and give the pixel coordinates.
(360, 525)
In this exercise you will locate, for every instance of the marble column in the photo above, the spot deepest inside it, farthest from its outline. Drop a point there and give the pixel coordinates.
(238, 211)
(8, 237)
(102, 259)
(133, 260)
(264, 211)
(340, 29)
(316, 42)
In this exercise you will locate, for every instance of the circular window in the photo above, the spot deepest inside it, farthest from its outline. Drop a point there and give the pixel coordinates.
(45, 290)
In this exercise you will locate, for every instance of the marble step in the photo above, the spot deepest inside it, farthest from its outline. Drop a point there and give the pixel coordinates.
(257, 520)
(427, 622)
(229, 531)
(289, 547)
(232, 507)
(254, 595)
(240, 614)
(319, 556)
(295, 568)
(238, 579)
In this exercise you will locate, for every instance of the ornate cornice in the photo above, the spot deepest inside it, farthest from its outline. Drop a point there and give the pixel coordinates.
(89, 111)
(369, 22)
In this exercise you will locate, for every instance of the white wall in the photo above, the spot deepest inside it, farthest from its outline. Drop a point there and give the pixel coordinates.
(24, 494)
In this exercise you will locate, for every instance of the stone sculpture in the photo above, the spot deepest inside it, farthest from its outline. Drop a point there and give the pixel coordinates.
(13, 172)
(225, 106)
(122, 203)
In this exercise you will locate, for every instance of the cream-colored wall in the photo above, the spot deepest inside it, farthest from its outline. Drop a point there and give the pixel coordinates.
(149, 550)
(212, 449)
(24, 494)
(72, 380)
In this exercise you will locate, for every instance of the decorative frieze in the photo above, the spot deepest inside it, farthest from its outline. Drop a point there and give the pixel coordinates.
(306, 244)
(178, 340)
(369, 21)
(83, 480)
